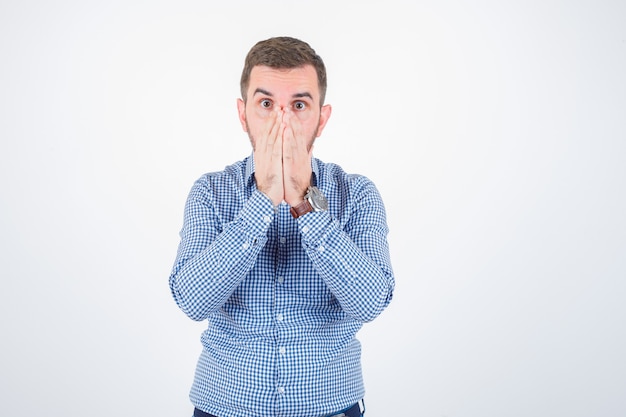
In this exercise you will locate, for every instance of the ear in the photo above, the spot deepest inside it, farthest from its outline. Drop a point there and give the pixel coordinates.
(241, 110)
(325, 112)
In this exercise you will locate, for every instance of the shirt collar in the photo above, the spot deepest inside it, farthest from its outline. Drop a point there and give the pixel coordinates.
(249, 168)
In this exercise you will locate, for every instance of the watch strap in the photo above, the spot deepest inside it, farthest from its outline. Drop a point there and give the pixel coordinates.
(301, 209)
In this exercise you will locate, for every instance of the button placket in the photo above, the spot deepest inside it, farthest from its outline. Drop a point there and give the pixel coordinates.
(285, 230)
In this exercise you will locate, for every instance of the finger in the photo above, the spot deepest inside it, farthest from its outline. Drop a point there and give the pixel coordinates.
(300, 139)
(279, 144)
(272, 129)
(261, 132)
(289, 140)
(297, 142)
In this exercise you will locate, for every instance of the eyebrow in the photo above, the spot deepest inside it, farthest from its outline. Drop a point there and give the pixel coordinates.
(261, 91)
(297, 95)
(305, 94)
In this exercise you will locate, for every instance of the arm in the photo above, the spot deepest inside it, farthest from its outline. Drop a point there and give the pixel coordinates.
(213, 257)
(353, 261)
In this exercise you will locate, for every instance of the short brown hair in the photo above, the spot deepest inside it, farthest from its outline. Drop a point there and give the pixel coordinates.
(283, 53)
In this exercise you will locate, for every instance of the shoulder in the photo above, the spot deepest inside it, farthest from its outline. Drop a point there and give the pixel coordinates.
(231, 173)
(353, 198)
(331, 174)
(232, 176)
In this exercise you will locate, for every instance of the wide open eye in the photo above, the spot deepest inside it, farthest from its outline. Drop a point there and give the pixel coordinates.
(299, 105)
(266, 104)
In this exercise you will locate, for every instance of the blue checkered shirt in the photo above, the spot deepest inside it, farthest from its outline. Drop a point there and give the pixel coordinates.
(283, 297)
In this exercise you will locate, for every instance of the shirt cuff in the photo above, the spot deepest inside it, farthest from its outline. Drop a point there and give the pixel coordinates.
(314, 226)
(257, 214)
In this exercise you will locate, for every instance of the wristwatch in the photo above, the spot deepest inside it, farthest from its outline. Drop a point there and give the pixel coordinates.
(314, 200)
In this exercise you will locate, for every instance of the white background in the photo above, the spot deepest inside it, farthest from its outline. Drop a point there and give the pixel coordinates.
(495, 131)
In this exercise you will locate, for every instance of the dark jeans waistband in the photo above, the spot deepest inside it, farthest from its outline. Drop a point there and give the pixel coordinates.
(200, 413)
(354, 411)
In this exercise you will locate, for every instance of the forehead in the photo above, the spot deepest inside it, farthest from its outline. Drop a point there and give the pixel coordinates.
(284, 81)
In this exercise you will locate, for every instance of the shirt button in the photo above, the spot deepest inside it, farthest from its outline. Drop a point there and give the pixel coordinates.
(267, 218)
(282, 350)
(281, 390)
(305, 229)
(281, 280)
(245, 246)
(321, 249)
(279, 317)
(282, 240)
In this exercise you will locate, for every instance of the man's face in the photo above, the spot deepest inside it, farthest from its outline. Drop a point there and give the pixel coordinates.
(288, 90)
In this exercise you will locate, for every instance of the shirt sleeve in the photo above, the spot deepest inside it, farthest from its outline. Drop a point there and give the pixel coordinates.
(213, 257)
(353, 259)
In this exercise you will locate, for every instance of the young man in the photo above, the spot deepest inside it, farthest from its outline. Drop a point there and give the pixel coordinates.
(284, 255)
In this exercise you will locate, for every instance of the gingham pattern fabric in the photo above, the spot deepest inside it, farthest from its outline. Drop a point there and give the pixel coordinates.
(283, 297)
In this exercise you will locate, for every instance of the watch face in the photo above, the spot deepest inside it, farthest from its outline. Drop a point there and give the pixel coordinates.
(317, 199)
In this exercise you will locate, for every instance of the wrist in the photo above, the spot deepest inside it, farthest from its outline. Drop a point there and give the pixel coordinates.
(314, 200)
